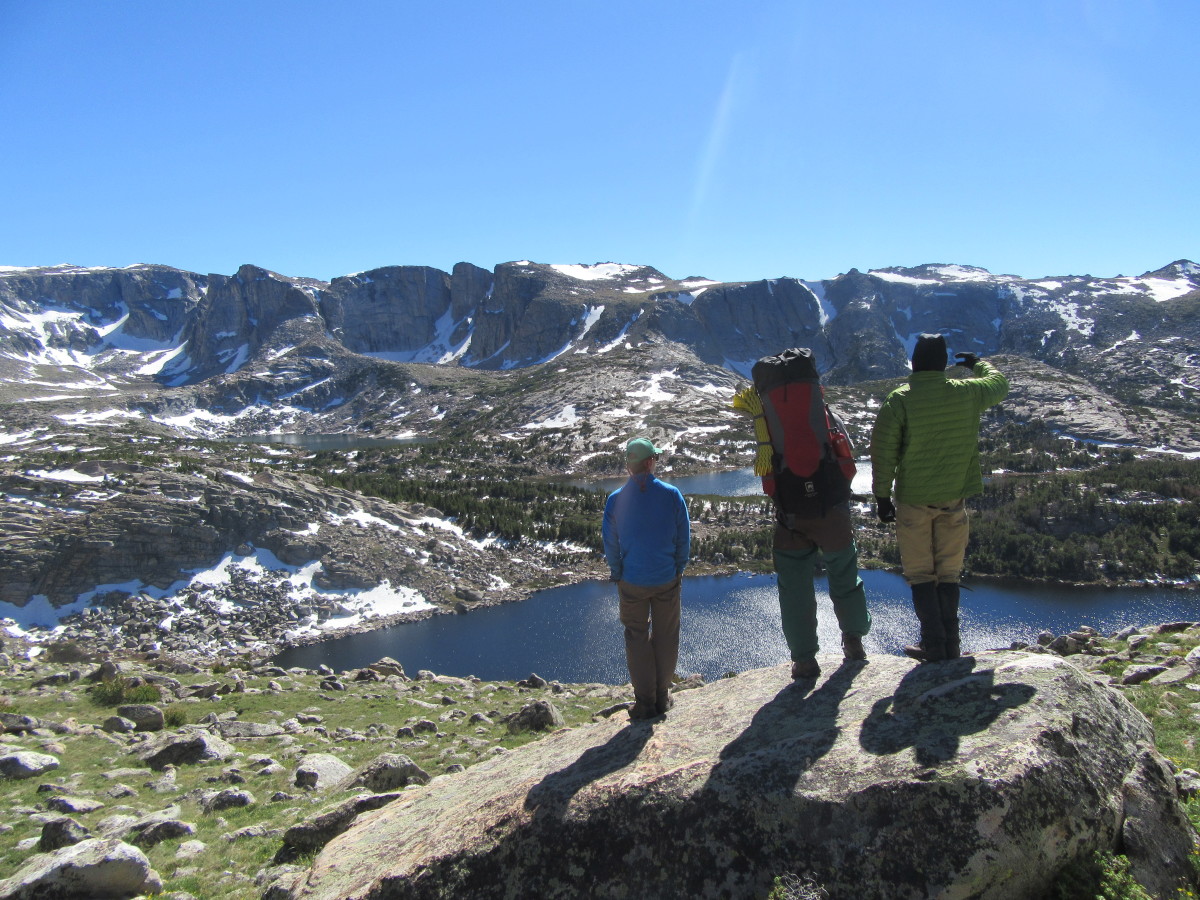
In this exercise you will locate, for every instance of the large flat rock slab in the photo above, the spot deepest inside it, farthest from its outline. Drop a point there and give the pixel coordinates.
(979, 777)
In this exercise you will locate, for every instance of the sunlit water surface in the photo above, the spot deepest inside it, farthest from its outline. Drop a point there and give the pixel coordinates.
(730, 624)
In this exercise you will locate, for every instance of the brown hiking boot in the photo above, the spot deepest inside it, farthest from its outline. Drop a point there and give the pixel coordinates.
(805, 669)
(852, 648)
(664, 704)
(918, 652)
(641, 710)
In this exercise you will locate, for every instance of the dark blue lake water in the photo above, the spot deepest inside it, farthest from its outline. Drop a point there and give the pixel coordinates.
(730, 483)
(730, 623)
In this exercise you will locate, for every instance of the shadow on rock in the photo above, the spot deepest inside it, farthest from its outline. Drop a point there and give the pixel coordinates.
(797, 727)
(552, 795)
(934, 706)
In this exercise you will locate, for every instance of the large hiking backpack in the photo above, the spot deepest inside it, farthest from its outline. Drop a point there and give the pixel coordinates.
(812, 463)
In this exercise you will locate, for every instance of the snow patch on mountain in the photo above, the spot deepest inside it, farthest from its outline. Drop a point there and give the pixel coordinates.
(1163, 289)
(597, 272)
(887, 275)
(653, 390)
(1073, 316)
(62, 475)
(565, 418)
(826, 311)
(441, 348)
(620, 338)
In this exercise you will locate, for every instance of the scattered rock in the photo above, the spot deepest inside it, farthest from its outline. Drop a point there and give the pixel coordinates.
(230, 798)
(236, 729)
(145, 716)
(150, 833)
(320, 771)
(539, 715)
(73, 805)
(119, 725)
(187, 748)
(1138, 674)
(12, 723)
(316, 832)
(26, 764)
(1156, 836)
(62, 832)
(93, 868)
(385, 773)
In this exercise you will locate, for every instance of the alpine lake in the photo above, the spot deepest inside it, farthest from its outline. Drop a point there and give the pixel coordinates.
(731, 623)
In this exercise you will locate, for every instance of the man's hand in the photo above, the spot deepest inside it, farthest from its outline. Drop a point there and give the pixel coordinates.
(967, 359)
(885, 509)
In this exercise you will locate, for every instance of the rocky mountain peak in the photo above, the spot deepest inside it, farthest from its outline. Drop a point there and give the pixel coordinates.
(233, 341)
(1181, 268)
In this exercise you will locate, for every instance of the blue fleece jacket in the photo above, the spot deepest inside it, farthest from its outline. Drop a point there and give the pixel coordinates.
(647, 535)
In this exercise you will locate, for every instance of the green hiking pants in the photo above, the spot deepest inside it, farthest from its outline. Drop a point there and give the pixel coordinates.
(798, 601)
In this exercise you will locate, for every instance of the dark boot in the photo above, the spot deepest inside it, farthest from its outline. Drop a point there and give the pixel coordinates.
(932, 646)
(948, 604)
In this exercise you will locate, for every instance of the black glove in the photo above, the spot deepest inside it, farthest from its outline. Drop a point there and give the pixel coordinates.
(967, 359)
(885, 509)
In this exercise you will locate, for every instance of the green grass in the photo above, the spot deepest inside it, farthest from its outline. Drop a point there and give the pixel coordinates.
(225, 869)
(360, 723)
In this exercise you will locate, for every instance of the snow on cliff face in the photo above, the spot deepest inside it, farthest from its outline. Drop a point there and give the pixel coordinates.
(596, 272)
(275, 351)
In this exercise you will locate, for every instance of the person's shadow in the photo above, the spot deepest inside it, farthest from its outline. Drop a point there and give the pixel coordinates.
(552, 795)
(934, 706)
(785, 738)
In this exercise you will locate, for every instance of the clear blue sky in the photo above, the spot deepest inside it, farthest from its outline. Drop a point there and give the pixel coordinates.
(731, 140)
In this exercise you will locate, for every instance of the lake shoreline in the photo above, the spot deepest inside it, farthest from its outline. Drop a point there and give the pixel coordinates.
(705, 571)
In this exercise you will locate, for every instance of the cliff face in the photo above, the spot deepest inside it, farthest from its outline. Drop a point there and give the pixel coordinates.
(980, 777)
(259, 351)
(861, 325)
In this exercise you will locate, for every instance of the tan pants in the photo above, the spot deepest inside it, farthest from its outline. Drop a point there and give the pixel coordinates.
(652, 652)
(932, 541)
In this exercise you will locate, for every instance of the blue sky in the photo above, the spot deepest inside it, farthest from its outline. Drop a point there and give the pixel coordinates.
(732, 141)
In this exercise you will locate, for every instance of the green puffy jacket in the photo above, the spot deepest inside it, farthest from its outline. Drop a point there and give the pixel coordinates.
(926, 436)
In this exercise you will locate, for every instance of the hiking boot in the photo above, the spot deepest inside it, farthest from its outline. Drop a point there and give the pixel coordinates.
(664, 704)
(640, 711)
(807, 668)
(948, 605)
(852, 647)
(932, 645)
(919, 653)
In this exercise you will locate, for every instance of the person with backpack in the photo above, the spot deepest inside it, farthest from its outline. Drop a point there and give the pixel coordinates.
(925, 441)
(647, 543)
(807, 464)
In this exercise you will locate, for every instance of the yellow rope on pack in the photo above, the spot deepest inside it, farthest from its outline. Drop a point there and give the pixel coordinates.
(747, 400)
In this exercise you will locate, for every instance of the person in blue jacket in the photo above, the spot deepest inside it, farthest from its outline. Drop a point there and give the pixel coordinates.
(647, 542)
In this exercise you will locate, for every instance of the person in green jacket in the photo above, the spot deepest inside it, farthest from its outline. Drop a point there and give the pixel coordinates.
(926, 442)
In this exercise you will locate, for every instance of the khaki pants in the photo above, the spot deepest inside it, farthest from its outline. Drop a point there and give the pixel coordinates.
(651, 619)
(932, 541)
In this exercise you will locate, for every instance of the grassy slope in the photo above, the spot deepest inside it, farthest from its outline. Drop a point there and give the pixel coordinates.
(358, 724)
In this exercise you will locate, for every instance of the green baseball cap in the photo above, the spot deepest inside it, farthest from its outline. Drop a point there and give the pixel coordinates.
(639, 449)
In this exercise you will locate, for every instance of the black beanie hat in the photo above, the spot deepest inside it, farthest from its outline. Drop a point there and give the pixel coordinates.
(929, 355)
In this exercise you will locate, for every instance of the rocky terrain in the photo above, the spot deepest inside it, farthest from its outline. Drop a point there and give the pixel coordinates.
(142, 774)
(198, 556)
(119, 505)
(534, 348)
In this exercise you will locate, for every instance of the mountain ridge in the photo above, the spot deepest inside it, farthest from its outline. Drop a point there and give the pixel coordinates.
(220, 356)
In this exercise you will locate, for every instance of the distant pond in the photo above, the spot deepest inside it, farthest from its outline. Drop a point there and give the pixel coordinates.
(730, 483)
(730, 624)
